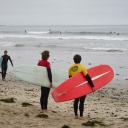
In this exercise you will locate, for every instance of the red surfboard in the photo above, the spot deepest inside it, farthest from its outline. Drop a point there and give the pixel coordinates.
(78, 86)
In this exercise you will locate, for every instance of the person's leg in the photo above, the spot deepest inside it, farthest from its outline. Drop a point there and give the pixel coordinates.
(4, 72)
(76, 107)
(2, 69)
(81, 106)
(47, 90)
(42, 98)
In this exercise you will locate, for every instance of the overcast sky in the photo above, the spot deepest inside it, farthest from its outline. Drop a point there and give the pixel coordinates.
(63, 12)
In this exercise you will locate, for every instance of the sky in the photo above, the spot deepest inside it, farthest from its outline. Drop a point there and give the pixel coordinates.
(63, 12)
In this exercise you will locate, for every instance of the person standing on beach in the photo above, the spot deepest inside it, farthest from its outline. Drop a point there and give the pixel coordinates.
(73, 70)
(45, 90)
(5, 64)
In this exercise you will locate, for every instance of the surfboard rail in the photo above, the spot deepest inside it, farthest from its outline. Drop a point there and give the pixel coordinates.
(1, 59)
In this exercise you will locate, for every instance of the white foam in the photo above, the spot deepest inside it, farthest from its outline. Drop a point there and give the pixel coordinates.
(106, 49)
(8, 44)
(37, 32)
(66, 37)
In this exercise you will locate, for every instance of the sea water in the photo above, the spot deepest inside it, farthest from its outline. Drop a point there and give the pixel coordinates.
(86, 39)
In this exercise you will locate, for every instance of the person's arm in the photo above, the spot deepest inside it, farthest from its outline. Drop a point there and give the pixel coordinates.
(10, 60)
(49, 76)
(90, 82)
(69, 74)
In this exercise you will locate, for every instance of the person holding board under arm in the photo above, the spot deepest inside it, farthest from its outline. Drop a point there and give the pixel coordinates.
(4, 64)
(73, 70)
(45, 90)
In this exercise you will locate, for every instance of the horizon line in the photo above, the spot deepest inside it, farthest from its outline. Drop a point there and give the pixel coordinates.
(68, 25)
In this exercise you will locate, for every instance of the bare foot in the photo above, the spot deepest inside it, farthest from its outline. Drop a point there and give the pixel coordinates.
(76, 117)
(3, 79)
(47, 111)
(42, 111)
(81, 118)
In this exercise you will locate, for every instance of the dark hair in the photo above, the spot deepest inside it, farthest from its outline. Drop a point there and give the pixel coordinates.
(45, 55)
(5, 51)
(77, 58)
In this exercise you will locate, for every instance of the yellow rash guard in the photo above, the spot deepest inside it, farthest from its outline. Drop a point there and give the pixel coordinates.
(77, 68)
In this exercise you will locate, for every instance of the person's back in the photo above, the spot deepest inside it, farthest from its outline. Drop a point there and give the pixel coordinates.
(45, 90)
(44, 63)
(73, 70)
(77, 68)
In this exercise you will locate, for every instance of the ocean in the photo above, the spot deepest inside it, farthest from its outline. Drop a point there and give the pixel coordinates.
(95, 39)
(96, 44)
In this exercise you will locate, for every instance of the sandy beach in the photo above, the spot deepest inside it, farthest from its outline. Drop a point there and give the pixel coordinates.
(108, 105)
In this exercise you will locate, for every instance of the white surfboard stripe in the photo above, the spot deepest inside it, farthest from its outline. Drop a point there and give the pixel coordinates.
(94, 78)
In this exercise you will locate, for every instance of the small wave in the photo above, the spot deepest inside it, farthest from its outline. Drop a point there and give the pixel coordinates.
(19, 45)
(86, 33)
(114, 50)
(64, 32)
(107, 49)
(67, 37)
(8, 44)
(9, 32)
(12, 45)
(90, 33)
(38, 32)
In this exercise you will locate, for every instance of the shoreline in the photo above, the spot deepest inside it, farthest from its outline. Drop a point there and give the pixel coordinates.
(62, 61)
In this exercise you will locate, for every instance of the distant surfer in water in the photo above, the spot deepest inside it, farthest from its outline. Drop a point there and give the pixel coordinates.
(5, 64)
(73, 70)
(49, 30)
(45, 90)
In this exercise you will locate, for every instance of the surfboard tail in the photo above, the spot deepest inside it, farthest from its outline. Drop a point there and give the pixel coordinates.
(55, 95)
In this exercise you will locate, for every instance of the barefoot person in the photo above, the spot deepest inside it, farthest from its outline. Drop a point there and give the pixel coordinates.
(73, 70)
(45, 90)
(4, 64)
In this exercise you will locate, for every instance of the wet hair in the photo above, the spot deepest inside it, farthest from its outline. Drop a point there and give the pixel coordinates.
(77, 58)
(45, 55)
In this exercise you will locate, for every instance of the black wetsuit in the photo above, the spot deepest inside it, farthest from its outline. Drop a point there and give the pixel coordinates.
(81, 99)
(45, 90)
(5, 65)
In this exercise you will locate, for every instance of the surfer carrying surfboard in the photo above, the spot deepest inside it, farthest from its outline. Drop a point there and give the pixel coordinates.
(73, 70)
(4, 64)
(45, 90)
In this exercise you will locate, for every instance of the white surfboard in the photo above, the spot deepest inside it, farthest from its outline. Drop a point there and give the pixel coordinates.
(37, 75)
(1, 59)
